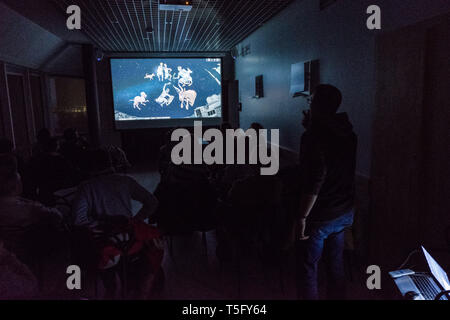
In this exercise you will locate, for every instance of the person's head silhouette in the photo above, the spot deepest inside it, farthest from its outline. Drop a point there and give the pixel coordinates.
(325, 101)
(100, 162)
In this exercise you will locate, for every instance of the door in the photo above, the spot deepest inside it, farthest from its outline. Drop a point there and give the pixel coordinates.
(435, 211)
(410, 163)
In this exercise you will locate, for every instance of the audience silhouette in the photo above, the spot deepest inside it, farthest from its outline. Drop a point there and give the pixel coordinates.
(80, 206)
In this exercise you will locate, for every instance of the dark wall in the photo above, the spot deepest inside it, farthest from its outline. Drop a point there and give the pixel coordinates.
(339, 38)
(23, 42)
(391, 214)
(46, 45)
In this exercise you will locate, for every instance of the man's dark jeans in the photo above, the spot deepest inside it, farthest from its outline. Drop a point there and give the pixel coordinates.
(328, 238)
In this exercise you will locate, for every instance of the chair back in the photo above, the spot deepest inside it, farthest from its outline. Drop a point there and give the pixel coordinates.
(186, 205)
(255, 203)
(89, 243)
(35, 244)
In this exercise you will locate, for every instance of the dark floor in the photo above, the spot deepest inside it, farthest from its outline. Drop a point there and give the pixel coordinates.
(195, 273)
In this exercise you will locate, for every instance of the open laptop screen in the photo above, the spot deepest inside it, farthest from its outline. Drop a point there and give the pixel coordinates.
(437, 271)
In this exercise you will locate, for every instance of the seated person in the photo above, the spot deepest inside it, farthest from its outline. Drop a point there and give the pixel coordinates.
(108, 194)
(24, 224)
(7, 147)
(103, 203)
(50, 172)
(230, 173)
(16, 280)
(195, 197)
(164, 156)
(119, 159)
(43, 137)
(252, 213)
(74, 148)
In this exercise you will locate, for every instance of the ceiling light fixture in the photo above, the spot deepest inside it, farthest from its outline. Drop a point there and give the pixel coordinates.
(175, 5)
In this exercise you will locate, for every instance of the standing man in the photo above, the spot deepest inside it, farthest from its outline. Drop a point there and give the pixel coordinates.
(327, 170)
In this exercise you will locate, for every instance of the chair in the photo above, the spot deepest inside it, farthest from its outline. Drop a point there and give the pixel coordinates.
(63, 203)
(34, 244)
(253, 209)
(119, 235)
(186, 206)
(119, 245)
(89, 247)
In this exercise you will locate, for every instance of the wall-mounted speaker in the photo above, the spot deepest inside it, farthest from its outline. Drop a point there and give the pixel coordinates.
(259, 87)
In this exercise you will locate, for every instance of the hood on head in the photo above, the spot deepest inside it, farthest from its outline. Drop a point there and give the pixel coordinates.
(338, 124)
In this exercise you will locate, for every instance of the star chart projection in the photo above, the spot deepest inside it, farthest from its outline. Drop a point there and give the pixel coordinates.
(166, 89)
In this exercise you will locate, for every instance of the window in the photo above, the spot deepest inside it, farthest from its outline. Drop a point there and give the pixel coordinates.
(68, 107)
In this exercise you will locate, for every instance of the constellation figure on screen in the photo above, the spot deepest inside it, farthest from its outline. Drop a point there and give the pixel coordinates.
(167, 73)
(149, 76)
(165, 98)
(140, 100)
(160, 72)
(187, 97)
(184, 77)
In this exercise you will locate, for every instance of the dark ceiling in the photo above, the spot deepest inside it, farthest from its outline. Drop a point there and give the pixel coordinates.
(211, 25)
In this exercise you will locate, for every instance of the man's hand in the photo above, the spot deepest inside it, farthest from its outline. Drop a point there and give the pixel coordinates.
(301, 230)
(306, 203)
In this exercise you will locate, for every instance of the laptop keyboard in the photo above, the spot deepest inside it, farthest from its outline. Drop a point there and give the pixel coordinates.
(425, 287)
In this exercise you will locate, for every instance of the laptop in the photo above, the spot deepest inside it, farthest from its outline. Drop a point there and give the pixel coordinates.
(424, 285)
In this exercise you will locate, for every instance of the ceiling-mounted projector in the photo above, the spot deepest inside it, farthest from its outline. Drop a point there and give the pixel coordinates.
(175, 5)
